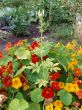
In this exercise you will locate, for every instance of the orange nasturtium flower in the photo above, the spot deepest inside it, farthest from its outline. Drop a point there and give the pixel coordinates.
(8, 46)
(19, 43)
(79, 94)
(77, 72)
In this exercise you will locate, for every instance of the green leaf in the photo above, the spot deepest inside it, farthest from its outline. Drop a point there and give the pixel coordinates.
(63, 61)
(23, 104)
(43, 50)
(19, 95)
(61, 92)
(20, 71)
(23, 53)
(15, 66)
(73, 108)
(16, 104)
(36, 95)
(5, 60)
(32, 106)
(65, 97)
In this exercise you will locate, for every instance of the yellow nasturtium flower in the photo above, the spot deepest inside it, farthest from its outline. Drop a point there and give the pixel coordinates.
(80, 51)
(57, 108)
(49, 107)
(16, 83)
(71, 66)
(74, 61)
(70, 45)
(76, 88)
(69, 87)
(80, 108)
(58, 104)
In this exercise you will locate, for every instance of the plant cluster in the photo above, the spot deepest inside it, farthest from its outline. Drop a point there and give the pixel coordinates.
(24, 13)
(41, 75)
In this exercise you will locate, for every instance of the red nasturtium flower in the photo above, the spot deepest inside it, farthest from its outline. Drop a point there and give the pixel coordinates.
(8, 46)
(35, 58)
(45, 57)
(10, 67)
(1, 55)
(2, 70)
(34, 45)
(77, 72)
(7, 81)
(55, 86)
(55, 76)
(79, 94)
(23, 78)
(47, 93)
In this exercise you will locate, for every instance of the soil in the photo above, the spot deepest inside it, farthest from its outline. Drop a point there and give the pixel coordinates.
(34, 33)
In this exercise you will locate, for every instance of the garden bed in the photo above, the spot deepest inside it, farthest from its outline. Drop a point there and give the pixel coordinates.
(38, 75)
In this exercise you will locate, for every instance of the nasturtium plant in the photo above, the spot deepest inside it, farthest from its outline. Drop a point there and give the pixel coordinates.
(18, 104)
(36, 95)
(41, 76)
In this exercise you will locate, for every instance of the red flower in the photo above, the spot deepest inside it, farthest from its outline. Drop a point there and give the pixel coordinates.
(1, 55)
(7, 81)
(34, 45)
(79, 94)
(10, 67)
(47, 93)
(79, 82)
(35, 58)
(55, 76)
(23, 78)
(55, 86)
(45, 57)
(77, 72)
(8, 46)
(2, 70)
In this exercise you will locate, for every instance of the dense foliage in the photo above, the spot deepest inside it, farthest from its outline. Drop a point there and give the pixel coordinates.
(40, 76)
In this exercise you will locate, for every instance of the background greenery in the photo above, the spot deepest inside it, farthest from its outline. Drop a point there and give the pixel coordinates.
(18, 15)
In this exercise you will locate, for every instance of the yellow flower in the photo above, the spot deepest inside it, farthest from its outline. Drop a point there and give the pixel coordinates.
(80, 108)
(49, 107)
(73, 55)
(74, 61)
(25, 87)
(16, 83)
(76, 88)
(70, 45)
(69, 87)
(71, 66)
(80, 51)
(61, 85)
(57, 108)
(58, 104)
